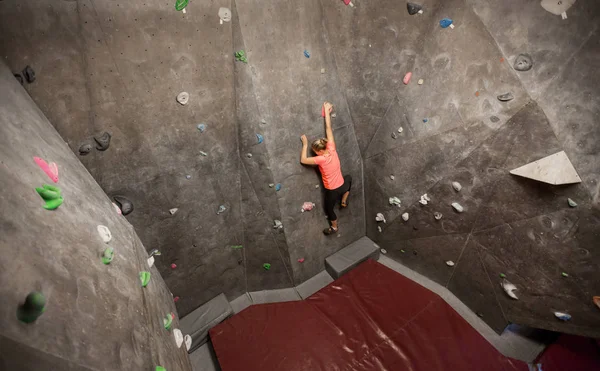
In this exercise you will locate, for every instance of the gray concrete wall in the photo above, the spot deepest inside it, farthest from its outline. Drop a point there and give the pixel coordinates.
(97, 317)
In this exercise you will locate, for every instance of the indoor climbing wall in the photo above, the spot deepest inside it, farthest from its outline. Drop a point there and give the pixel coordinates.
(70, 265)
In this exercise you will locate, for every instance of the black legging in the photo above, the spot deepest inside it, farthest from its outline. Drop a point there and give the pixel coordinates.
(333, 195)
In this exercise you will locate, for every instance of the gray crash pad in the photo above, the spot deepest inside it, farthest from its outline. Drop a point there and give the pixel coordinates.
(204, 359)
(197, 323)
(350, 256)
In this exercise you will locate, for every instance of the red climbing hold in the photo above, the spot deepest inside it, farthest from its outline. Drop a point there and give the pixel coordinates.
(301, 260)
(406, 78)
(173, 266)
(176, 299)
(347, 2)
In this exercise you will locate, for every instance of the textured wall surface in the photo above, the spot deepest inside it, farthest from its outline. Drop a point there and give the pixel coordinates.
(97, 317)
(118, 66)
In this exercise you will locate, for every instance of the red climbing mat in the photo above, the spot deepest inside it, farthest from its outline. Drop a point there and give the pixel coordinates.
(370, 319)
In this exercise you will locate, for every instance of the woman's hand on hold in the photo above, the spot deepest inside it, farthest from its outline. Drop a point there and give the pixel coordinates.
(328, 107)
(304, 140)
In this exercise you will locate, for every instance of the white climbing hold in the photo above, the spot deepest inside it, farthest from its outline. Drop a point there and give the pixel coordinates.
(183, 98)
(450, 263)
(203, 153)
(571, 202)
(307, 206)
(322, 70)
(400, 129)
(271, 185)
(188, 342)
(457, 187)
(392, 177)
(383, 251)
(104, 233)
(178, 337)
(333, 115)
(225, 14)
(457, 207)
(379, 228)
(554, 169)
(405, 217)
(420, 11)
(221, 209)
(420, 82)
(249, 155)
(380, 217)
(173, 211)
(557, 7)
(263, 121)
(509, 288)
(394, 201)
(437, 215)
(424, 199)
(316, 186)
(562, 316)
(150, 261)
(277, 224)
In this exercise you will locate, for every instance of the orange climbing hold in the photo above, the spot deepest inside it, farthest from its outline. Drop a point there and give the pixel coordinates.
(477, 93)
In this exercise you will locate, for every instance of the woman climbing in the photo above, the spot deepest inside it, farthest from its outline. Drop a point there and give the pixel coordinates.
(336, 185)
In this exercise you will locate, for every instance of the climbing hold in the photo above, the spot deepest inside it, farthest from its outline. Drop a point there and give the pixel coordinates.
(154, 252)
(383, 251)
(494, 119)
(457, 207)
(277, 224)
(236, 246)
(188, 177)
(457, 187)
(523, 62)
(394, 135)
(51, 195)
(437, 215)
(445, 23)
(117, 209)
(477, 93)
(33, 307)
(394, 201)
(259, 138)
(380, 218)
(306, 54)
(333, 115)
(505, 97)
(108, 255)
(502, 275)
(413, 8)
(19, 78)
(400, 129)
(402, 251)
(267, 266)
(241, 56)
(124, 203)
(176, 299)
(221, 209)
(180, 5)
(564, 274)
(173, 210)
(379, 229)
(554, 169)
(203, 153)
(406, 78)
(225, 14)
(301, 260)
(150, 261)
(509, 288)
(322, 70)
(173, 266)
(450, 263)
(562, 316)
(316, 186)
(144, 278)
(278, 187)
(201, 127)
(271, 185)
(183, 98)
(188, 341)
(102, 141)
(249, 155)
(178, 337)
(405, 217)
(263, 121)
(557, 7)
(596, 300)
(307, 206)
(29, 74)
(571, 202)
(167, 321)
(424, 199)
(392, 177)
(104, 233)
(85, 148)
(420, 82)
(425, 120)
(50, 169)
(160, 368)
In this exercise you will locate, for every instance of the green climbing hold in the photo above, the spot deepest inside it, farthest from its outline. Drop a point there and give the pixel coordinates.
(160, 368)
(145, 278)
(402, 251)
(502, 275)
(51, 195)
(267, 266)
(47, 194)
(564, 274)
(167, 321)
(181, 4)
(34, 306)
(108, 255)
(53, 204)
(241, 56)
(237, 246)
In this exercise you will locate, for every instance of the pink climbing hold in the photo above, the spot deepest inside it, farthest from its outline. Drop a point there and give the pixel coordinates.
(346, 2)
(301, 260)
(172, 315)
(117, 208)
(406, 78)
(173, 266)
(307, 206)
(176, 299)
(50, 170)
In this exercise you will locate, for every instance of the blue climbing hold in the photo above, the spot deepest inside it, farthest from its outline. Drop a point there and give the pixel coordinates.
(260, 138)
(201, 127)
(425, 120)
(446, 22)
(277, 187)
(306, 54)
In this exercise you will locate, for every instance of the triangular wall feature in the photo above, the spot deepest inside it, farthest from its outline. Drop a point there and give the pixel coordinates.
(554, 169)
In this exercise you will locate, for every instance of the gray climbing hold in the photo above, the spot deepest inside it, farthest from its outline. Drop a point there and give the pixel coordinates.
(29, 74)
(405, 217)
(85, 148)
(505, 97)
(413, 8)
(183, 98)
(19, 78)
(494, 119)
(222, 209)
(457, 207)
(457, 187)
(523, 62)
(571, 202)
(394, 135)
(437, 215)
(102, 141)
(124, 204)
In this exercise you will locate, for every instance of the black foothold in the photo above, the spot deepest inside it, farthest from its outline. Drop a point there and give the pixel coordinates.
(413, 8)
(85, 148)
(414, 253)
(125, 205)
(415, 228)
(523, 62)
(102, 141)
(494, 119)
(29, 74)
(505, 97)
(19, 78)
